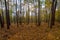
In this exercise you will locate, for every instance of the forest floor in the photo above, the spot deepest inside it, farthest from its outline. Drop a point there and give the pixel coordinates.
(30, 32)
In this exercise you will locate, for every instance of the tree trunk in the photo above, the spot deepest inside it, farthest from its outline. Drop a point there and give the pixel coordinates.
(39, 12)
(20, 13)
(27, 14)
(35, 12)
(7, 14)
(16, 14)
(53, 8)
(1, 22)
(2, 15)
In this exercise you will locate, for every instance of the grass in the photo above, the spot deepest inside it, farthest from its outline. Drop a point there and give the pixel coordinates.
(31, 32)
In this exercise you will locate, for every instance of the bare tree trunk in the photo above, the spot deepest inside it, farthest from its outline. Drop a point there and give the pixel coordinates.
(7, 14)
(1, 22)
(23, 15)
(53, 14)
(16, 14)
(39, 12)
(35, 12)
(20, 13)
(53, 8)
(27, 14)
(28, 11)
(2, 15)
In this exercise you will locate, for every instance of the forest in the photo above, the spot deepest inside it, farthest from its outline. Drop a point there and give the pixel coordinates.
(29, 19)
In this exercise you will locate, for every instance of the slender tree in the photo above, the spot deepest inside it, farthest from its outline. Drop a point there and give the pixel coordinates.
(2, 13)
(35, 11)
(1, 22)
(28, 11)
(27, 14)
(20, 13)
(39, 12)
(7, 13)
(16, 14)
(53, 8)
(23, 13)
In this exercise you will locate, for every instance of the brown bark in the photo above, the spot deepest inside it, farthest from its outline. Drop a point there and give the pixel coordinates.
(1, 22)
(7, 14)
(39, 12)
(53, 8)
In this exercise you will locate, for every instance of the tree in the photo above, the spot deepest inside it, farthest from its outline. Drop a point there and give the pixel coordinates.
(2, 14)
(1, 21)
(23, 14)
(35, 7)
(7, 13)
(53, 8)
(20, 13)
(48, 4)
(27, 14)
(39, 12)
(16, 14)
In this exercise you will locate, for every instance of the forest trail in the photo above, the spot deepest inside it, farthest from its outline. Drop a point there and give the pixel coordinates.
(31, 32)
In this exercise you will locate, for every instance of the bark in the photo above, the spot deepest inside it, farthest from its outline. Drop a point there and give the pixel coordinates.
(1, 22)
(53, 8)
(16, 14)
(20, 13)
(27, 14)
(7, 14)
(39, 12)
(35, 12)
(2, 15)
